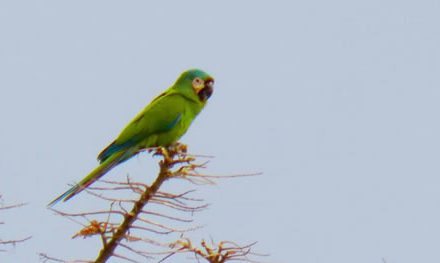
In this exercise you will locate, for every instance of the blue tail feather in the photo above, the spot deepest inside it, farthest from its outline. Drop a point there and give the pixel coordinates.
(112, 149)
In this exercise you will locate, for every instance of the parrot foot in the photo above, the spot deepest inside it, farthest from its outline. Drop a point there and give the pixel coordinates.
(178, 148)
(175, 148)
(175, 153)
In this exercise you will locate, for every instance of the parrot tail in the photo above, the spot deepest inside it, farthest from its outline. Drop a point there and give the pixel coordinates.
(94, 175)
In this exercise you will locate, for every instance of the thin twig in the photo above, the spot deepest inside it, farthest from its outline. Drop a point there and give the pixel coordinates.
(14, 242)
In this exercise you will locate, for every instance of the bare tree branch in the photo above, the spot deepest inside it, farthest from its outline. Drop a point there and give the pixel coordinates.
(12, 242)
(165, 173)
(45, 258)
(225, 251)
(122, 227)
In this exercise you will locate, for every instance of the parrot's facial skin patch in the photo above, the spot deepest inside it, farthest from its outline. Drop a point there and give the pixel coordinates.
(198, 84)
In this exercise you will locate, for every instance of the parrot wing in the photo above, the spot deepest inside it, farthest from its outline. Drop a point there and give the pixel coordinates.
(161, 115)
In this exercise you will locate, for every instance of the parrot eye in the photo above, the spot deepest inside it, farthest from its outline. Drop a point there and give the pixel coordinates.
(197, 82)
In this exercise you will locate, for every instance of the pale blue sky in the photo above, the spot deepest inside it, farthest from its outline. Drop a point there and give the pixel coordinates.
(336, 102)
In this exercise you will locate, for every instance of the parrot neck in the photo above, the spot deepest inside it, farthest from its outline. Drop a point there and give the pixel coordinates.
(190, 97)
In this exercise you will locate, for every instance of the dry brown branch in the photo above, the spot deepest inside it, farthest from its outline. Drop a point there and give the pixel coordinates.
(161, 218)
(124, 225)
(224, 251)
(11, 206)
(45, 258)
(165, 173)
(12, 242)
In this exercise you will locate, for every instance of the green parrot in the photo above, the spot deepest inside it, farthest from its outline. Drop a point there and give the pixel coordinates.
(161, 123)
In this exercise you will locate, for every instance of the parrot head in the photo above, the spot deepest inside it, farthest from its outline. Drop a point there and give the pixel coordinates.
(195, 82)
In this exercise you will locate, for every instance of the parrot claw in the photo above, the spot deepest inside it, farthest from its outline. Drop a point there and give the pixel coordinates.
(178, 148)
(172, 150)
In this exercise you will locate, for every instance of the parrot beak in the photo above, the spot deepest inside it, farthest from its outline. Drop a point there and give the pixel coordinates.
(207, 90)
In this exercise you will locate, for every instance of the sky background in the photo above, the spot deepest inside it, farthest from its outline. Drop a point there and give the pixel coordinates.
(335, 102)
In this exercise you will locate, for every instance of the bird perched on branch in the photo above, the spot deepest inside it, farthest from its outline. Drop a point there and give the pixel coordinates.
(161, 123)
